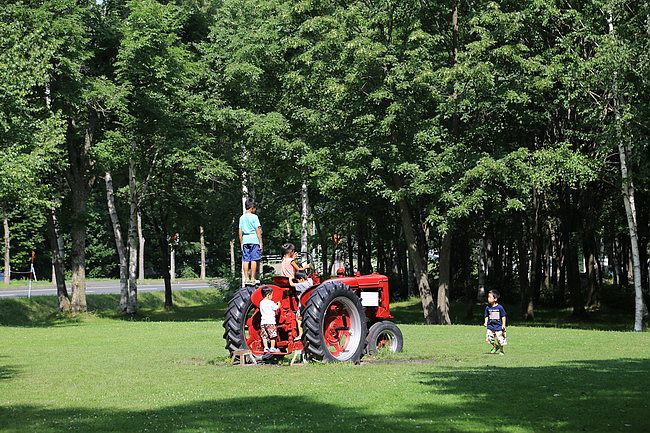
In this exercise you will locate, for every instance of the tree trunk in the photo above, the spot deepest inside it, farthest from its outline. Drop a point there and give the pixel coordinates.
(561, 278)
(232, 257)
(78, 251)
(80, 181)
(548, 260)
(172, 264)
(381, 259)
(304, 218)
(323, 245)
(522, 271)
(627, 188)
(7, 238)
(119, 242)
(590, 267)
(482, 268)
(630, 211)
(573, 276)
(57, 261)
(360, 245)
(141, 241)
(202, 241)
(164, 253)
(444, 280)
(367, 267)
(418, 263)
(535, 259)
(643, 226)
(612, 261)
(133, 241)
(350, 251)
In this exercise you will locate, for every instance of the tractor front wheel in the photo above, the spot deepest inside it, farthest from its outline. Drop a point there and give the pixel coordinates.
(384, 336)
(334, 324)
(238, 321)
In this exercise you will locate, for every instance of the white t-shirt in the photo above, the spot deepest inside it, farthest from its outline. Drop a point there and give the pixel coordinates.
(267, 309)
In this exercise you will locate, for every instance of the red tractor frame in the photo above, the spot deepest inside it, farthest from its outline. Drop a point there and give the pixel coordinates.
(342, 318)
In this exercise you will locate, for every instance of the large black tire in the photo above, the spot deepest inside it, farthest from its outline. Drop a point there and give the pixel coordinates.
(315, 319)
(235, 321)
(384, 335)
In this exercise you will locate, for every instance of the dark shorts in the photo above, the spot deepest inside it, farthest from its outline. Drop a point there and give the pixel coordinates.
(269, 332)
(250, 253)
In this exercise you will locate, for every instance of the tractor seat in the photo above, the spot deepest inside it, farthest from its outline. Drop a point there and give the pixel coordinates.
(281, 281)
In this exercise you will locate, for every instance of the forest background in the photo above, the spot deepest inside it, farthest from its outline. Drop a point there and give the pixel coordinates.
(456, 146)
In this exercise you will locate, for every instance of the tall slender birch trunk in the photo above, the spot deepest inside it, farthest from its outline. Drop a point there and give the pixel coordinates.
(304, 220)
(119, 242)
(627, 188)
(134, 234)
(482, 268)
(202, 241)
(172, 264)
(141, 241)
(630, 210)
(233, 267)
(7, 239)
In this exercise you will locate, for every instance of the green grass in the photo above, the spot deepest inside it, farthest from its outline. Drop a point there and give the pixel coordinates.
(167, 372)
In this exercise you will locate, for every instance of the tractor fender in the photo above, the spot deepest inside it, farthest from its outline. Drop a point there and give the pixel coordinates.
(257, 296)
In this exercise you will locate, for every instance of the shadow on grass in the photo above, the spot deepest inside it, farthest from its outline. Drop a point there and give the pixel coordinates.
(189, 305)
(605, 395)
(410, 312)
(6, 371)
(597, 396)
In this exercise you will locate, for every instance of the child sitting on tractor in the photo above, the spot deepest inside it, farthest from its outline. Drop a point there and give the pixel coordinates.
(300, 283)
(267, 310)
(289, 267)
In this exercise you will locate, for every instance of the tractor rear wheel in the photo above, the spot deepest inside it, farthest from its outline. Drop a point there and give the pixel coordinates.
(384, 336)
(235, 323)
(334, 324)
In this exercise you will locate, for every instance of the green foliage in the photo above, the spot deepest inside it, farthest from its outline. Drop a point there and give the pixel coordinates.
(369, 103)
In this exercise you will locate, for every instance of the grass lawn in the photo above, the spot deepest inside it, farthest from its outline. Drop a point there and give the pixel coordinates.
(167, 372)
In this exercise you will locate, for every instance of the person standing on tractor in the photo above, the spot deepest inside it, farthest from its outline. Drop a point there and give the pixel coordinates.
(495, 322)
(250, 239)
(267, 310)
(289, 267)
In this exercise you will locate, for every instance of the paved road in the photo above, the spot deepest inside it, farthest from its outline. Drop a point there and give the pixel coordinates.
(105, 287)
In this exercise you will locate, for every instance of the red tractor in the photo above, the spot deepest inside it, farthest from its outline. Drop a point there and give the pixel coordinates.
(342, 318)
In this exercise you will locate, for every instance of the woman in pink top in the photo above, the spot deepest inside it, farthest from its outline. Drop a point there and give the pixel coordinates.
(288, 267)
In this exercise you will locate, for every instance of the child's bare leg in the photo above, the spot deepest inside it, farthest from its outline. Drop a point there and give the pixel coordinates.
(265, 342)
(253, 270)
(272, 343)
(299, 329)
(246, 270)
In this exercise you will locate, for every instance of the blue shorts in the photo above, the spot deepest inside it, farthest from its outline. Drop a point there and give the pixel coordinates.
(250, 253)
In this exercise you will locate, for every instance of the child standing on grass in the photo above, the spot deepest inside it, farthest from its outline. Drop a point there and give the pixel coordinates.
(250, 239)
(267, 310)
(495, 322)
(289, 267)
